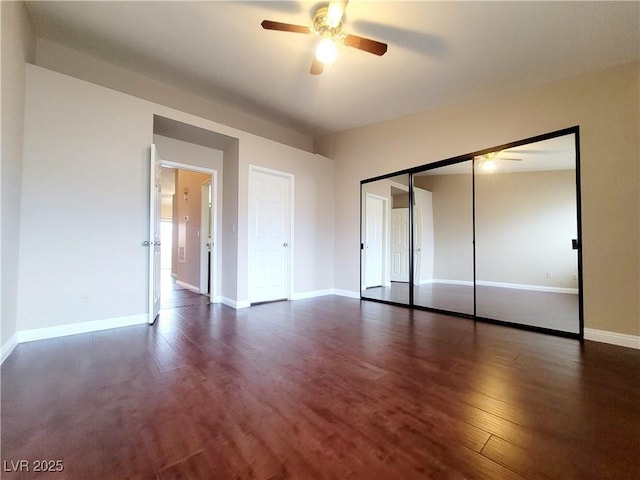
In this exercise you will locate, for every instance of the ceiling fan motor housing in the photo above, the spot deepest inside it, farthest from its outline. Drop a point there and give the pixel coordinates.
(322, 25)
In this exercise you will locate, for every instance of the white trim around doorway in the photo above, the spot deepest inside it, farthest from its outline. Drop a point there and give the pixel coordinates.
(213, 298)
(250, 241)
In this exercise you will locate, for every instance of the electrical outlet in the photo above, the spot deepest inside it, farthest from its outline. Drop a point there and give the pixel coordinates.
(84, 296)
(574, 277)
(549, 274)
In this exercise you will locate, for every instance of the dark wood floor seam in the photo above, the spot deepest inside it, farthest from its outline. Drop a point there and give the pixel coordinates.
(485, 443)
(182, 460)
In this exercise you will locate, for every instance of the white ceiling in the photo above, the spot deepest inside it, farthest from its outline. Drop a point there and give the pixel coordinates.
(439, 52)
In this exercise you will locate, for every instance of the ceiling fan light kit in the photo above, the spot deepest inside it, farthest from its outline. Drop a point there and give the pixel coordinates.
(489, 161)
(327, 24)
(327, 52)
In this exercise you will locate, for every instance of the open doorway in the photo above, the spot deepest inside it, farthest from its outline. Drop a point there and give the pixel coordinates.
(187, 217)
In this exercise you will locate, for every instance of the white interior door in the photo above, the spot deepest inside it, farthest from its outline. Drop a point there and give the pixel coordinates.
(206, 237)
(400, 245)
(417, 244)
(270, 234)
(423, 236)
(155, 203)
(374, 242)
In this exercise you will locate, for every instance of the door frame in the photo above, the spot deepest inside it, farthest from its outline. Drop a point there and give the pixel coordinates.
(154, 243)
(251, 241)
(213, 298)
(204, 249)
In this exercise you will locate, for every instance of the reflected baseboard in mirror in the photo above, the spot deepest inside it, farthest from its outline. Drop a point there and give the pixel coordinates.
(397, 292)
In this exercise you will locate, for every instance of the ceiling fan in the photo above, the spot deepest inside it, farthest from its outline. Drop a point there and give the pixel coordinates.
(487, 162)
(327, 24)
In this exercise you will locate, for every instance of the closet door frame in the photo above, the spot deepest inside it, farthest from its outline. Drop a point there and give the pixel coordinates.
(575, 130)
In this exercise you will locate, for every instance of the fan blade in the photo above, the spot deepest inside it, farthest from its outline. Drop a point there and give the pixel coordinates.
(316, 67)
(284, 27)
(512, 159)
(366, 44)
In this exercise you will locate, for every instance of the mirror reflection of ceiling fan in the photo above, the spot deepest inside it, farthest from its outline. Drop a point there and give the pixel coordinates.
(488, 161)
(327, 24)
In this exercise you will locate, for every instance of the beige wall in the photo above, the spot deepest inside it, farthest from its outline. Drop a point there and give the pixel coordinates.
(189, 270)
(524, 226)
(61, 59)
(86, 152)
(17, 46)
(400, 200)
(168, 183)
(229, 238)
(452, 225)
(100, 138)
(604, 104)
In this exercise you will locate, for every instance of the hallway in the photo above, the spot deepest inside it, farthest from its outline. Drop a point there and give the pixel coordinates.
(173, 295)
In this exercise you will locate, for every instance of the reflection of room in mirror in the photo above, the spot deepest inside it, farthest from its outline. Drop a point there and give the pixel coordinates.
(525, 218)
(385, 239)
(557, 153)
(444, 198)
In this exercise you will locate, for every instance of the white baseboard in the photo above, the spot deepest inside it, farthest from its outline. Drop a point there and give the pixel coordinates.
(188, 286)
(312, 294)
(237, 304)
(513, 286)
(301, 296)
(83, 327)
(466, 283)
(346, 293)
(216, 299)
(620, 339)
(7, 348)
(535, 288)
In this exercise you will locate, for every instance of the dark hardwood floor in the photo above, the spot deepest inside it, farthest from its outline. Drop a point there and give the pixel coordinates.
(322, 388)
(172, 295)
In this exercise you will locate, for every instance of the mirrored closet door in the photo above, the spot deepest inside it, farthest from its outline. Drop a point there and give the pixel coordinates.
(493, 235)
(443, 238)
(526, 232)
(384, 240)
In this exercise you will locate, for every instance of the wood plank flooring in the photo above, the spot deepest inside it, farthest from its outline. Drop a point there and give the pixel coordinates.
(328, 388)
(172, 295)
